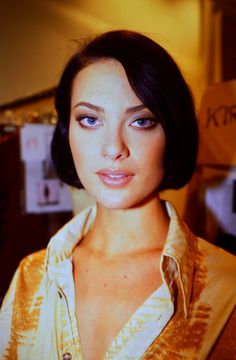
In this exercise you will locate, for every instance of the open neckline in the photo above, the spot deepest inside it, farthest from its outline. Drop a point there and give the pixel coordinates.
(134, 324)
(146, 314)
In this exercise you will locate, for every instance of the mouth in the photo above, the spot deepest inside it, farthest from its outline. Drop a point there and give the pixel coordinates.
(115, 178)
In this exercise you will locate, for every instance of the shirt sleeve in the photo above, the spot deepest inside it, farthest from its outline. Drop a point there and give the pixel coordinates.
(6, 315)
(225, 347)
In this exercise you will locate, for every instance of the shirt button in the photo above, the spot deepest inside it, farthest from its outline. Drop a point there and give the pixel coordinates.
(67, 356)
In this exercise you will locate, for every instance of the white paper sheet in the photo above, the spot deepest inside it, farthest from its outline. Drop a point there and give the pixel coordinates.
(44, 192)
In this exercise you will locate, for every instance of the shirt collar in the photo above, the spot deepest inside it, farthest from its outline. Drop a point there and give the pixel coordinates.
(179, 249)
(181, 246)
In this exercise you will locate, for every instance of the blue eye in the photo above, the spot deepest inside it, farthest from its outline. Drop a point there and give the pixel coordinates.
(88, 122)
(144, 123)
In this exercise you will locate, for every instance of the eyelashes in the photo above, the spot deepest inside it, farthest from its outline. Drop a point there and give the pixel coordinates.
(140, 123)
(145, 123)
(87, 121)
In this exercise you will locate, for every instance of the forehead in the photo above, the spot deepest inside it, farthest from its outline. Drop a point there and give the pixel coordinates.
(103, 79)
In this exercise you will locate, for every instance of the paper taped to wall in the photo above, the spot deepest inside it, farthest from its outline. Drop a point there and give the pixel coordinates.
(44, 192)
(217, 124)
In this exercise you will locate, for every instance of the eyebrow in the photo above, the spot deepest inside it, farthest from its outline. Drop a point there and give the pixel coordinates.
(132, 109)
(135, 108)
(90, 106)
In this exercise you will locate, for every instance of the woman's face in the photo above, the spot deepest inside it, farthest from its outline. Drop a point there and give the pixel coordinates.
(117, 144)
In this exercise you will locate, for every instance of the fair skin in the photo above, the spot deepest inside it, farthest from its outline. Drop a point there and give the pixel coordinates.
(116, 265)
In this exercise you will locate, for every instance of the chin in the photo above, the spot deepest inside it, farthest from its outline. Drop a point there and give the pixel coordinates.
(122, 199)
(118, 202)
(115, 203)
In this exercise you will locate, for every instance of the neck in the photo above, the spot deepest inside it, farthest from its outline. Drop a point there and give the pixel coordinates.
(128, 231)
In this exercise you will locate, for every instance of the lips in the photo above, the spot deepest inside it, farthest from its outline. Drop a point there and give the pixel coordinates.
(115, 177)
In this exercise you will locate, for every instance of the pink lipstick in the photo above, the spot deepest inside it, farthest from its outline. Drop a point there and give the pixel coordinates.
(115, 178)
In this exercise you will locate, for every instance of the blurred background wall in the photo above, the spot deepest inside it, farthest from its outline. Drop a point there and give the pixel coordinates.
(37, 36)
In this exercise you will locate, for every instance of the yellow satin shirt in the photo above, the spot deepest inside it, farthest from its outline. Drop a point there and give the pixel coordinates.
(190, 317)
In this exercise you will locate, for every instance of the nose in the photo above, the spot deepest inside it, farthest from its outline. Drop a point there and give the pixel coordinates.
(114, 146)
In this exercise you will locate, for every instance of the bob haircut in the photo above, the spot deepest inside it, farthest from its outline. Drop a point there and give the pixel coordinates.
(158, 83)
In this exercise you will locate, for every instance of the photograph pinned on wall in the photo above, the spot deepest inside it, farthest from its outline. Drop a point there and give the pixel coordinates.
(48, 192)
(43, 191)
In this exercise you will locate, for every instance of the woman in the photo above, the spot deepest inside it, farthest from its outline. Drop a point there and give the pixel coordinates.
(125, 279)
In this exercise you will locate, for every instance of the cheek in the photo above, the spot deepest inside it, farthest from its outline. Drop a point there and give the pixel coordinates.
(74, 147)
(76, 140)
(83, 151)
(152, 153)
(77, 148)
(80, 156)
(81, 162)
